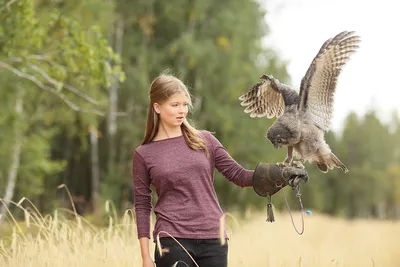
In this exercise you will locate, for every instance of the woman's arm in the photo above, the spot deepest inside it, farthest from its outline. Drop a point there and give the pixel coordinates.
(145, 252)
(228, 167)
(142, 203)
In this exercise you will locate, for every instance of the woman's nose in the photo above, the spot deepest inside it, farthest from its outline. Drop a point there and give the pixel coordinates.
(182, 109)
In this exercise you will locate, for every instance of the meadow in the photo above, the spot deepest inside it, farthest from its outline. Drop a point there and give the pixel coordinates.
(327, 241)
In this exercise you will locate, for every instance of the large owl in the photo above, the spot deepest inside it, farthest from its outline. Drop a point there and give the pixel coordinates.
(303, 118)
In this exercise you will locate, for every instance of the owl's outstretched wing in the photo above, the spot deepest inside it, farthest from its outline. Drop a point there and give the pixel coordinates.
(262, 100)
(319, 84)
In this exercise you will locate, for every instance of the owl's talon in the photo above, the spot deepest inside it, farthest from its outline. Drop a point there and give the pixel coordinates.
(283, 164)
(298, 164)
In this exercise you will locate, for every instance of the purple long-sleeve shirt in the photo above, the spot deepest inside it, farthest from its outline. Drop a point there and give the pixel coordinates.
(187, 205)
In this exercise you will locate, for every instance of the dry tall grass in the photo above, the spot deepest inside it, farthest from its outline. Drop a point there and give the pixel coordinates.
(325, 242)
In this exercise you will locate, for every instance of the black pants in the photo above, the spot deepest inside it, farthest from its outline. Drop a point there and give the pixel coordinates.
(206, 253)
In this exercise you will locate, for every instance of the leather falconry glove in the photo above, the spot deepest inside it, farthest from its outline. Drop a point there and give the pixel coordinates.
(270, 178)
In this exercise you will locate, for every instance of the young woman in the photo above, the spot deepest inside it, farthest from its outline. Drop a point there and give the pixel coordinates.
(179, 161)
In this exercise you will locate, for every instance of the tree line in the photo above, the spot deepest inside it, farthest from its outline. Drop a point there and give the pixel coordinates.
(75, 77)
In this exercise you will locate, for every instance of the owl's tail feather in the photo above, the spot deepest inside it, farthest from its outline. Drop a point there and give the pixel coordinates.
(337, 163)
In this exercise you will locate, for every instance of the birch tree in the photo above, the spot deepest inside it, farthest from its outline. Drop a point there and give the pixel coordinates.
(61, 64)
(16, 153)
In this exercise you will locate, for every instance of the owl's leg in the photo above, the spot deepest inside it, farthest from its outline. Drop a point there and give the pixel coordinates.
(288, 160)
(289, 156)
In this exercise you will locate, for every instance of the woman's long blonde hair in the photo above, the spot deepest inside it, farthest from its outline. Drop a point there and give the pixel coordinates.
(161, 88)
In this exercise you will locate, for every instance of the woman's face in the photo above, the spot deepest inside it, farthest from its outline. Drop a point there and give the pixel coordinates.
(174, 110)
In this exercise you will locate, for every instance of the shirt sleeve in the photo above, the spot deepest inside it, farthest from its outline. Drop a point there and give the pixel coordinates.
(142, 195)
(228, 167)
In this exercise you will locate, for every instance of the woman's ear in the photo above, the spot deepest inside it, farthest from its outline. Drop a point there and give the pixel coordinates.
(156, 107)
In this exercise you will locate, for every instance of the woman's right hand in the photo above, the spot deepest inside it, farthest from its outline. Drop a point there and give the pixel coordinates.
(148, 262)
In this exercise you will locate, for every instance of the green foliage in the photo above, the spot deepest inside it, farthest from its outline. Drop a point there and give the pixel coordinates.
(36, 164)
(62, 54)
(62, 65)
(58, 53)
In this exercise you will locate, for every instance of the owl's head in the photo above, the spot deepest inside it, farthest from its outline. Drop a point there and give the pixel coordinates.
(278, 135)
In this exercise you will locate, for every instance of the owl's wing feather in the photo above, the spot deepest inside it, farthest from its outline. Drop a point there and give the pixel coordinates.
(262, 100)
(319, 83)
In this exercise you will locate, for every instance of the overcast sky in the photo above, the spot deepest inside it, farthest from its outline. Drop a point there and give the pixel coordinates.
(370, 78)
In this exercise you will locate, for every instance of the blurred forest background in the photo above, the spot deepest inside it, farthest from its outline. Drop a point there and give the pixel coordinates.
(74, 81)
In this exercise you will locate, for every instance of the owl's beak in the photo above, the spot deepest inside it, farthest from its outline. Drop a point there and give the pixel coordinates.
(276, 145)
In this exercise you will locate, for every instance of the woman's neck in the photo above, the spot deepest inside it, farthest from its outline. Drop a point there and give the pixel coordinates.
(165, 133)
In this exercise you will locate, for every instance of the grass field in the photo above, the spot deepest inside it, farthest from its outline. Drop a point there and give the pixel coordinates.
(325, 242)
